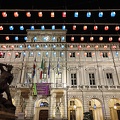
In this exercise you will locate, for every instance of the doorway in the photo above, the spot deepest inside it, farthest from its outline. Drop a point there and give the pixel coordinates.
(43, 115)
(72, 115)
(118, 113)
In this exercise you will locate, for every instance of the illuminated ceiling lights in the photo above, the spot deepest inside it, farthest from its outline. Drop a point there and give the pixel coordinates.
(75, 14)
(113, 14)
(100, 14)
(4, 14)
(28, 14)
(40, 14)
(88, 14)
(16, 14)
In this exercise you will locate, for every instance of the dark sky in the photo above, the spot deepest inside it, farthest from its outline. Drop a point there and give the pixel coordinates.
(83, 6)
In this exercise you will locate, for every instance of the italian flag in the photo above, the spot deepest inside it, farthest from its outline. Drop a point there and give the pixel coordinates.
(42, 68)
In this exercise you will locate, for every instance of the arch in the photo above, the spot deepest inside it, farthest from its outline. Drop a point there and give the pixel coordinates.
(114, 106)
(75, 109)
(38, 107)
(95, 108)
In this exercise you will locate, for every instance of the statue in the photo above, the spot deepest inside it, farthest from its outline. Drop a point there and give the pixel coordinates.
(6, 79)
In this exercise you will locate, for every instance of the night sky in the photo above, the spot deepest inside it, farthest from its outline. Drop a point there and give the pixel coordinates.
(59, 6)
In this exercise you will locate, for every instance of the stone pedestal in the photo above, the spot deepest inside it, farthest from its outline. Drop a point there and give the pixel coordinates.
(7, 115)
(58, 115)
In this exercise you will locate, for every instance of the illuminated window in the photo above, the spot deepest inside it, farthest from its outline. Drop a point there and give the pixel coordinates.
(18, 55)
(2, 55)
(72, 54)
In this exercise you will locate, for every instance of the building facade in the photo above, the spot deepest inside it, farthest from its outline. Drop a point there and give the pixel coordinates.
(82, 77)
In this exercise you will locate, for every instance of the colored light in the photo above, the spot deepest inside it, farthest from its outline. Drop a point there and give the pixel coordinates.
(29, 46)
(117, 28)
(16, 38)
(62, 53)
(37, 46)
(39, 53)
(62, 46)
(54, 53)
(72, 38)
(119, 39)
(53, 27)
(91, 38)
(25, 38)
(95, 27)
(100, 38)
(78, 54)
(35, 38)
(85, 27)
(76, 14)
(105, 47)
(9, 53)
(52, 14)
(116, 53)
(100, 14)
(106, 28)
(7, 38)
(88, 14)
(12, 46)
(63, 27)
(28, 14)
(43, 27)
(4, 46)
(16, 14)
(81, 38)
(11, 27)
(110, 39)
(64, 14)
(53, 38)
(113, 14)
(46, 46)
(54, 46)
(96, 47)
(88, 46)
(74, 27)
(114, 47)
(1, 27)
(21, 27)
(20, 46)
(40, 14)
(47, 53)
(4, 14)
(71, 46)
(79, 47)
(32, 27)
(62, 38)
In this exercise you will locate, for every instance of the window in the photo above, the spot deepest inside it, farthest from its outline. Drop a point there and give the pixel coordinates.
(72, 103)
(2, 55)
(73, 79)
(105, 54)
(72, 54)
(31, 54)
(92, 78)
(59, 80)
(109, 78)
(18, 55)
(89, 54)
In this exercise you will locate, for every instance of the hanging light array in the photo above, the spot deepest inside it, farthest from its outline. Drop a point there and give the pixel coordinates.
(64, 14)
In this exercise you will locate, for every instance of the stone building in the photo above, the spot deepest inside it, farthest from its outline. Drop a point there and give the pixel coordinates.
(83, 77)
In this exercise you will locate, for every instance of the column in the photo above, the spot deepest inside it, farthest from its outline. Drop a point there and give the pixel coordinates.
(107, 109)
(30, 107)
(65, 103)
(17, 103)
(23, 72)
(50, 107)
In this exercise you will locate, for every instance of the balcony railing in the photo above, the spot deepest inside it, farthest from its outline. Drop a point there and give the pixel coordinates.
(63, 85)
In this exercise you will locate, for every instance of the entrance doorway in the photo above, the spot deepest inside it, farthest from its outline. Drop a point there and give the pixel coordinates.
(118, 113)
(43, 115)
(72, 115)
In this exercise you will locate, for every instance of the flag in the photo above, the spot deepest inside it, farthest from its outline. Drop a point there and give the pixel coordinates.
(42, 68)
(49, 70)
(34, 89)
(34, 67)
(58, 67)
